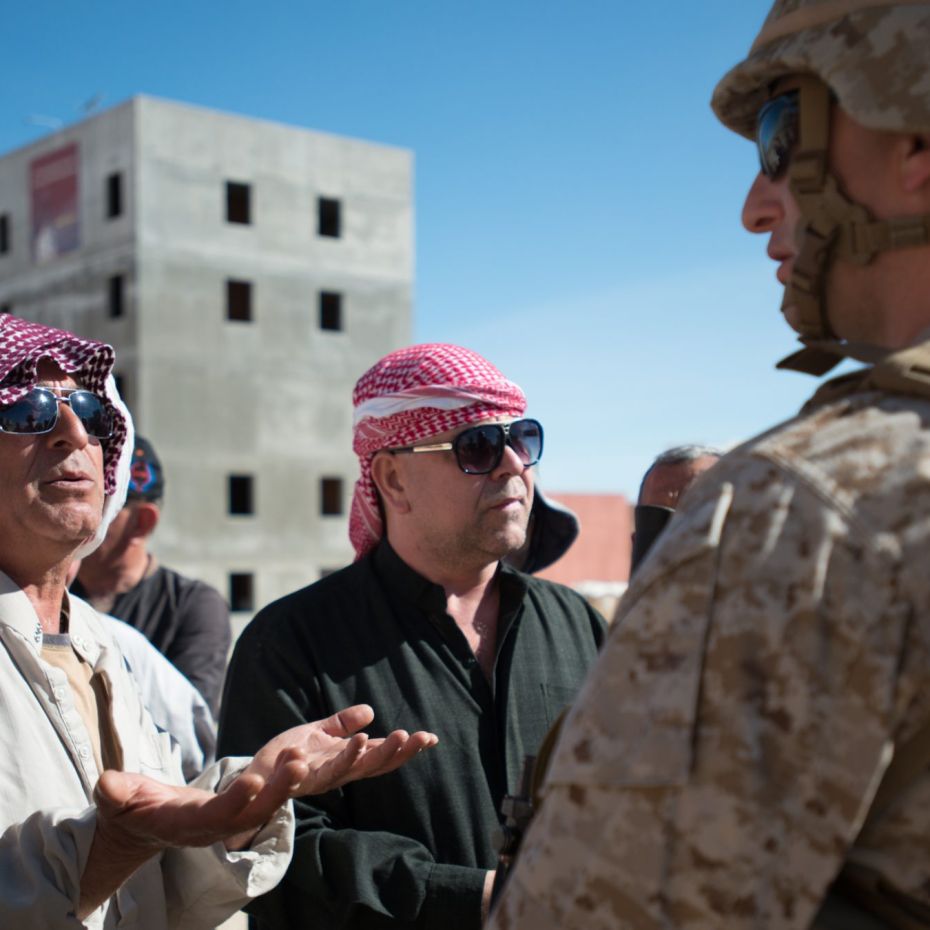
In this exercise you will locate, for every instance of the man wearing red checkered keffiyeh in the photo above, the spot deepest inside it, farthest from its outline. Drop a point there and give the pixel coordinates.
(23, 345)
(96, 823)
(412, 395)
(434, 628)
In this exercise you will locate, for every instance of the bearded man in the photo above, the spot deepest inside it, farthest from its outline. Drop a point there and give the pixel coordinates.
(431, 624)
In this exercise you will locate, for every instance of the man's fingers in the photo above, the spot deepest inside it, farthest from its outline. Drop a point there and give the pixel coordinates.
(348, 721)
(388, 754)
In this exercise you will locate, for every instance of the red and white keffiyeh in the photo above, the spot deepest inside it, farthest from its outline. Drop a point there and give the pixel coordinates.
(409, 396)
(22, 346)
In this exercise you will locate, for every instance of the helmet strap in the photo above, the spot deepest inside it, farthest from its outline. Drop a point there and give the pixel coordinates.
(831, 227)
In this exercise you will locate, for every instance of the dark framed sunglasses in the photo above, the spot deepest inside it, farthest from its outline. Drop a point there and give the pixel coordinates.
(479, 450)
(777, 133)
(37, 412)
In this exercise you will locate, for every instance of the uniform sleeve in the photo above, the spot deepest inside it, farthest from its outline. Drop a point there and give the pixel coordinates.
(201, 645)
(722, 755)
(339, 875)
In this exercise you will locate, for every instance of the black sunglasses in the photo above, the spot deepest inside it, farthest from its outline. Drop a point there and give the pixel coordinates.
(37, 412)
(479, 450)
(777, 133)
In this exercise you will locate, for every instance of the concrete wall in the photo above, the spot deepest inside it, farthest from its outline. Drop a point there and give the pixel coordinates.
(71, 291)
(271, 397)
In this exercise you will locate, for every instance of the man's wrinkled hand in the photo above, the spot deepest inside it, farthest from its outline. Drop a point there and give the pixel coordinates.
(139, 813)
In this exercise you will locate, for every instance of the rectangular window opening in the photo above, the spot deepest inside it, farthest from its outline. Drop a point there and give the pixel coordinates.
(239, 301)
(331, 497)
(116, 304)
(241, 591)
(4, 233)
(238, 203)
(114, 195)
(329, 217)
(241, 501)
(331, 311)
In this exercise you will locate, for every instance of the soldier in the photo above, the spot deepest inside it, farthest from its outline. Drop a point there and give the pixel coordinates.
(752, 748)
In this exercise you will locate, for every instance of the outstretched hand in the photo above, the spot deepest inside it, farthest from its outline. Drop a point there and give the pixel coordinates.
(310, 759)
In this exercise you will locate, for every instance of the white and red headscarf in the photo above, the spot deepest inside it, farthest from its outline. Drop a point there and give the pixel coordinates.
(409, 396)
(22, 346)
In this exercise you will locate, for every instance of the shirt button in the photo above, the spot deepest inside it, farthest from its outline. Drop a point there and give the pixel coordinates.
(59, 694)
(83, 752)
(471, 662)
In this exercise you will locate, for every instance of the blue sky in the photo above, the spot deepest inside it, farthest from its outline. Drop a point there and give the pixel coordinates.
(577, 203)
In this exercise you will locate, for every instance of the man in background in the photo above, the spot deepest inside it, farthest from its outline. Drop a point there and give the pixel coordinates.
(666, 479)
(185, 619)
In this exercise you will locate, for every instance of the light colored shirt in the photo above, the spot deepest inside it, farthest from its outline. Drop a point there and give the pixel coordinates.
(174, 703)
(48, 773)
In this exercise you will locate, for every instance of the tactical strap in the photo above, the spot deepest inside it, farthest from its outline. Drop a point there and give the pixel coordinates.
(820, 355)
(832, 226)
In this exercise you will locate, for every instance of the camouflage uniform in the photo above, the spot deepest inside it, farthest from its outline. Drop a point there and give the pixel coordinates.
(772, 654)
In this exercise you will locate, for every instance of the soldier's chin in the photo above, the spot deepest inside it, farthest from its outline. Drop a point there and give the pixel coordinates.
(791, 313)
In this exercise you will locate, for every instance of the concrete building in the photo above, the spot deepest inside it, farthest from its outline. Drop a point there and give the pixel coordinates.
(247, 273)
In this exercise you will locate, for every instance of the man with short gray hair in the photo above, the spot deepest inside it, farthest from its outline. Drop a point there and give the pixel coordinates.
(667, 478)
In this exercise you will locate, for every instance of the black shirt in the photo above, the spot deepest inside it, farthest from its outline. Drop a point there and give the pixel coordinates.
(408, 849)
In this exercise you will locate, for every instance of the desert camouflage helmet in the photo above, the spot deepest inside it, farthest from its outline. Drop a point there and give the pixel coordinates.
(873, 54)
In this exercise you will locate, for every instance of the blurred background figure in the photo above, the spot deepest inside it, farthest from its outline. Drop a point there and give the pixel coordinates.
(666, 479)
(185, 619)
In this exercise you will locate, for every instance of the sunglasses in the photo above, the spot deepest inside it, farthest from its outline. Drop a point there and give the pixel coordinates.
(37, 412)
(777, 133)
(479, 450)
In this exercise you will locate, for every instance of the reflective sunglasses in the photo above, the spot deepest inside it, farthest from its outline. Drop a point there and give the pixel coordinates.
(37, 412)
(777, 133)
(479, 450)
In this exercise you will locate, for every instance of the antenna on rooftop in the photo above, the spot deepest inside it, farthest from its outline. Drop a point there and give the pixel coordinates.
(49, 122)
(91, 104)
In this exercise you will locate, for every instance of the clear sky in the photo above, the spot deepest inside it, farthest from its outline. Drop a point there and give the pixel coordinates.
(577, 202)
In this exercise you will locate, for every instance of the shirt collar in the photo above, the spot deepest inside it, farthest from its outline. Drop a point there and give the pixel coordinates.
(409, 585)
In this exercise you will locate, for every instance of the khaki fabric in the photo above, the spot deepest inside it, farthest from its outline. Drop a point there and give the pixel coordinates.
(47, 773)
(90, 699)
(723, 755)
(874, 56)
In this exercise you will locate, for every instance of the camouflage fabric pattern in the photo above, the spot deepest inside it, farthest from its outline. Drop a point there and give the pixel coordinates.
(875, 56)
(771, 651)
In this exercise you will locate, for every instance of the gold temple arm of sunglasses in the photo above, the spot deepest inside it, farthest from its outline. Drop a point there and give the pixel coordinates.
(435, 447)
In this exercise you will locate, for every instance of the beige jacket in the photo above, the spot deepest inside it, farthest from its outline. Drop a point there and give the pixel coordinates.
(47, 774)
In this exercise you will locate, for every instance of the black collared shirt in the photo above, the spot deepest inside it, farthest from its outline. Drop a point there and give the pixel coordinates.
(408, 849)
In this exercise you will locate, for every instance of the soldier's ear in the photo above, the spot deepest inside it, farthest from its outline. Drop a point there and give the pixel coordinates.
(388, 474)
(915, 164)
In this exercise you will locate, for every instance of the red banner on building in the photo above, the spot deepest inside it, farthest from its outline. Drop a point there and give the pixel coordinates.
(53, 182)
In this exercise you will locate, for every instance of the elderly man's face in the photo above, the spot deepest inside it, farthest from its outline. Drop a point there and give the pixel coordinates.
(52, 483)
(473, 517)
